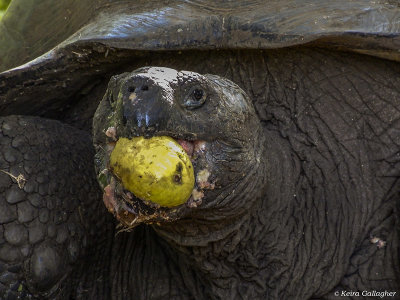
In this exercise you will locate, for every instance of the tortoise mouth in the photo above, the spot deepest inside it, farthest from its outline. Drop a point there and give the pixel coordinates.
(129, 209)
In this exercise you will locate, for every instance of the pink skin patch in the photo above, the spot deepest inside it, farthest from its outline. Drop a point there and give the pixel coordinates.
(109, 198)
(121, 212)
(130, 216)
(187, 146)
(191, 147)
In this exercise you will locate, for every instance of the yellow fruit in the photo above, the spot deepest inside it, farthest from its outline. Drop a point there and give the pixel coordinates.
(155, 169)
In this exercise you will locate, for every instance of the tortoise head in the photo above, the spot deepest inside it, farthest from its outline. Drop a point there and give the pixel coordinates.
(209, 116)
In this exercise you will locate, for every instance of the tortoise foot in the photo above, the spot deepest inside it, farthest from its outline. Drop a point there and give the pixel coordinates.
(47, 189)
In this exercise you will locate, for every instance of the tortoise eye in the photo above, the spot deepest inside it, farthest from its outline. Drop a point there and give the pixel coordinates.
(196, 98)
(197, 94)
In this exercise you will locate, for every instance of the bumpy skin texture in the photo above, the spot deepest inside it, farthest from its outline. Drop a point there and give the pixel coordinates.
(331, 126)
(322, 191)
(47, 221)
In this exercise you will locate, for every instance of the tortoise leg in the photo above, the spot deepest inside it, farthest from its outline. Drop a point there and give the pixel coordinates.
(49, 199)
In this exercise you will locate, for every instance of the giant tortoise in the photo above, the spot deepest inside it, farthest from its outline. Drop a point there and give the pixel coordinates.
(289, 111)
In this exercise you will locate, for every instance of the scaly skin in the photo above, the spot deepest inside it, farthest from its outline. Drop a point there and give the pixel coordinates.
(326, 216)
(226, 239)
(50, 217)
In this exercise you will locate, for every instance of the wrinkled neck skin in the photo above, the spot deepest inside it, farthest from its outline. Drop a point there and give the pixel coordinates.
(247, 255)
(213, 242)
(297, 225)
(229, 206)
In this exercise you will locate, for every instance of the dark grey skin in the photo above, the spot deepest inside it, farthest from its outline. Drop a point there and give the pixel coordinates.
(161, 102)
(240, 228)
(282, 232)
(321, 211)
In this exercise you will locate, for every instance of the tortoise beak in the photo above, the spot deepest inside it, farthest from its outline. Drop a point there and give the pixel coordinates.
(145, 106)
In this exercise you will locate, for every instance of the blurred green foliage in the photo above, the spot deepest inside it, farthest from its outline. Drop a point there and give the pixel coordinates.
(3, 6)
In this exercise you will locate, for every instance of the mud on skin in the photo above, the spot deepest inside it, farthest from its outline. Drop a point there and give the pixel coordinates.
(315, 211)
(163, 102)
(297, 190)
(243, 161)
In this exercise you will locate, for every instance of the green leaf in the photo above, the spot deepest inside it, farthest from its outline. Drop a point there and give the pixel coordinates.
(4, 4)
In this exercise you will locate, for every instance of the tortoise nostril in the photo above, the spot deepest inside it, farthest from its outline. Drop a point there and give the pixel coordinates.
(124, 120)
(145, 88)
(131, 89)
